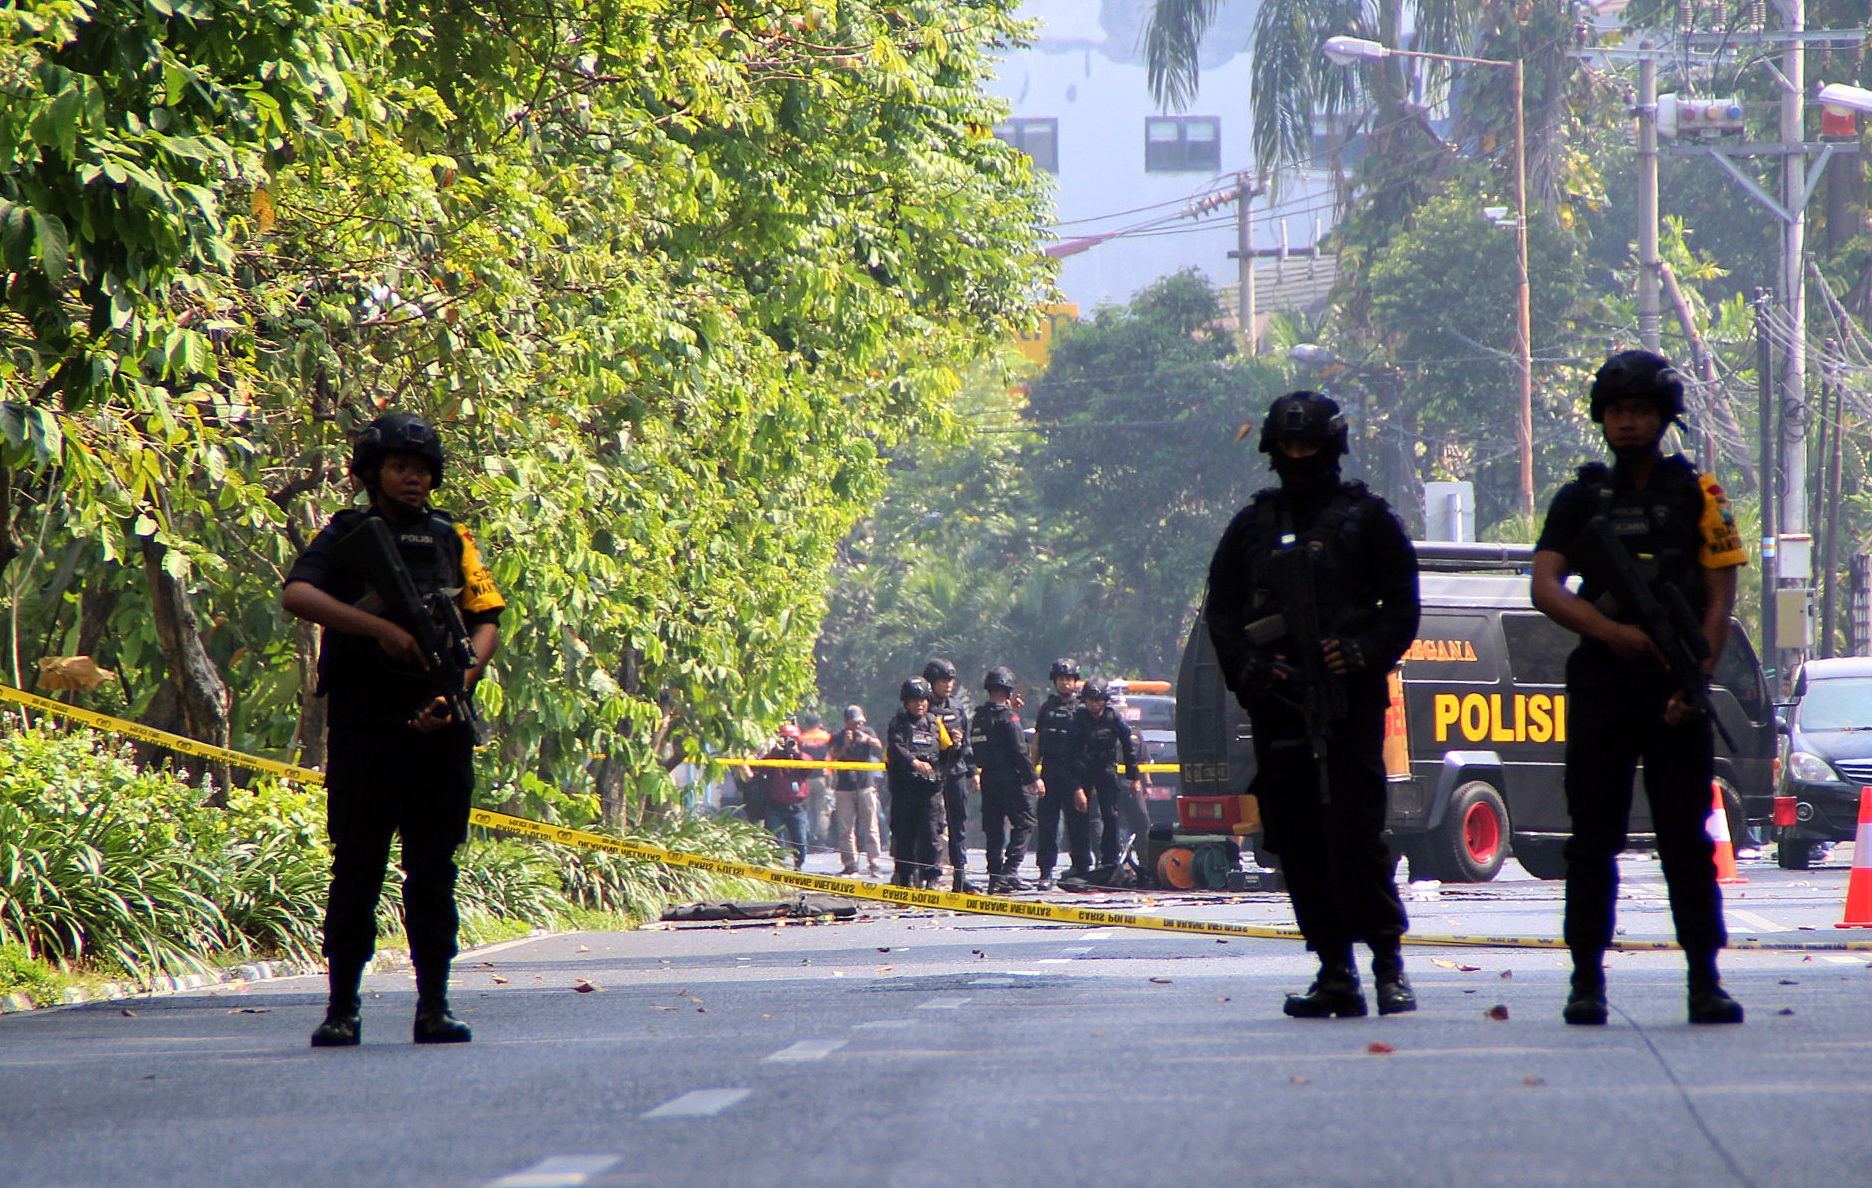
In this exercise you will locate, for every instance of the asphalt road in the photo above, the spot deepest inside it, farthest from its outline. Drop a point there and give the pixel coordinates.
(914, 1048)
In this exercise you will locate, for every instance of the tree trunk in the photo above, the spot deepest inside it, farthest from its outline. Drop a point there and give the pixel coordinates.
(201, 695)
(309, 731)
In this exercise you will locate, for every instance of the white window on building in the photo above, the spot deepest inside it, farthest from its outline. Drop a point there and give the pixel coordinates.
(1039, 139)
(1182, 144)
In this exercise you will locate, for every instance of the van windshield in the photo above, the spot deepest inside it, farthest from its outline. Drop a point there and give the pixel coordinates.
(1844, 704)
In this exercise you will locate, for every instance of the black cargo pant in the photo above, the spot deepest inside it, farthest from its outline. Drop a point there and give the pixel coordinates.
(1007, 820)
(955, 789)
(1055, 804)
(385, 781)
(1338, 870)
(916, 814)
(1615, 717)
(1105, 793)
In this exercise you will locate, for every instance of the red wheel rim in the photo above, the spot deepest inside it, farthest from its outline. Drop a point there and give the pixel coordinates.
(1482, 833)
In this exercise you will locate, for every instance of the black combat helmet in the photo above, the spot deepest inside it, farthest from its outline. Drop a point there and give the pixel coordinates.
(1096, 689)
(1304, 416)
(396, 433)
(999, 678)
(914, 689)
(1638, 375)
(939, 670)
(1064, 667)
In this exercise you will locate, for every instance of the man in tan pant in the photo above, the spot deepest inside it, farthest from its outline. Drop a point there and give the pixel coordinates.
(854, 795)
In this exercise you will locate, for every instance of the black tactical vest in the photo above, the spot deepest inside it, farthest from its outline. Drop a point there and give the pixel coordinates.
(1657, 524)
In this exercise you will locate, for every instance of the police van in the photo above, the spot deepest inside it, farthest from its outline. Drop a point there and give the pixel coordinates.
(1475, 737)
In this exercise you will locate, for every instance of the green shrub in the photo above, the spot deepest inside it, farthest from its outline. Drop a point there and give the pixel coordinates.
(598, 880)
(131, 869)
(22, 973)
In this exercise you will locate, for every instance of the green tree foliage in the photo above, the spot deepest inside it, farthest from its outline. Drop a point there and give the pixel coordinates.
(669, 274)
(1443, 294)
(1078, 525)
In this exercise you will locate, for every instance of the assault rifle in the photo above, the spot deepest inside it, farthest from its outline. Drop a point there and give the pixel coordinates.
(441, 635)
(1288, 576)
(1668, 621)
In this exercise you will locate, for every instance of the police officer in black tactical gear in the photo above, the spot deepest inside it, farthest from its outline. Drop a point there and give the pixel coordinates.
(1326, 827)
(1622, 704)
(1096, 741)
(397, 764)
(915, 752)
(1008, 781)
(948, 705)
(1052, 726)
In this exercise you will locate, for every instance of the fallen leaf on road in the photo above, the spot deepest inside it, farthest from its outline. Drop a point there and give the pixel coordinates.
(1498, 1011)
(583, 949)
(838, 973)
(498, 980)
(1507, 973)
(1297, 1079)
(885, 949)
(585, 987)
(127, 1013)
(1785, 1011)
(884, 968)
(1455, 965)
(1379, 1048)
(701, 1010)
(1161, 981)
(766, 1016)
(1221, 941)
(1788, 982)
(655, 1007)
(250, 1010)
(1532, 1081)
(1222, 998)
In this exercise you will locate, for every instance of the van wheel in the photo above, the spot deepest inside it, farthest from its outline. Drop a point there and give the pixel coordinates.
(1543, 858)
(1473, 841)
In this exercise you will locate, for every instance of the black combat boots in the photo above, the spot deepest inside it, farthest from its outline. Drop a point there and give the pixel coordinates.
(342, 1028)
(1586, 1002)
(1389, 985)
(1334, 993)
(434, 1023)
(1708, 1001)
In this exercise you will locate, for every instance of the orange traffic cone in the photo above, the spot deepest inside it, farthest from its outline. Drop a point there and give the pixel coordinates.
(1718, 827)
(1859, 888)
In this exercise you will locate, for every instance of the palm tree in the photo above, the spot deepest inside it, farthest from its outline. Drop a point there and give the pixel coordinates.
(1294, 84)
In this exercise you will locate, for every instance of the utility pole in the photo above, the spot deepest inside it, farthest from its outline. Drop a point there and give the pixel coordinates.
(1764, 384)
(1829, 561)
(1244, 264)
(1794, 197)
(1648, 277)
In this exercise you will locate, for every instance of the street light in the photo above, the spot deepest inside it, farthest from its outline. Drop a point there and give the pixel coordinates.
(1344, 51)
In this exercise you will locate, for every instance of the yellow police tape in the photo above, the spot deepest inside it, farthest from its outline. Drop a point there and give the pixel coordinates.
(985, 905)
(161, 738)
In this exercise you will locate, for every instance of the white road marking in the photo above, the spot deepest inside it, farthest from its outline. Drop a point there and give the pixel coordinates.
(699, 1103)
(1756, 923)
(1076, 951)
(941, 1004)
(884, 1025)
(805, 1050)
(559, 1171)
(1843, 959)
(1101, 934)
(1056, 961)
(992, 982)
